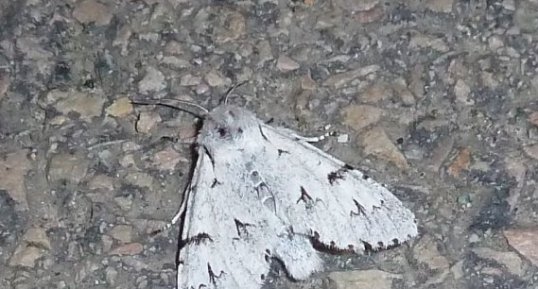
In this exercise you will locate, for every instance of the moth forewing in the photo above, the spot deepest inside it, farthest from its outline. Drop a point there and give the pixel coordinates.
(260, 192)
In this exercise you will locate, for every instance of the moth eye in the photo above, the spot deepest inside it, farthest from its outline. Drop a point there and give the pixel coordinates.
(222, 131)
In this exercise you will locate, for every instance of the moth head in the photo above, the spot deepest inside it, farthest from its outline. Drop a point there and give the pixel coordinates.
(226, 123)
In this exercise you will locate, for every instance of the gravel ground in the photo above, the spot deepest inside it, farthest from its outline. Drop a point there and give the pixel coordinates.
(439, 99)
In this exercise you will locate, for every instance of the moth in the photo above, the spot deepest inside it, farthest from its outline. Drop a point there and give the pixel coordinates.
(260, 193)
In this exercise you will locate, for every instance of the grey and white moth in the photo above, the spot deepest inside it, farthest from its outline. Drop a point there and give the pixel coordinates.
(260, 192)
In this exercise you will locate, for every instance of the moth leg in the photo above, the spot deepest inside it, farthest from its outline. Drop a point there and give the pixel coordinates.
(175, 219)
(181, 209)
(311, 139)
(290, 133)
(190, 188)
(314, 139)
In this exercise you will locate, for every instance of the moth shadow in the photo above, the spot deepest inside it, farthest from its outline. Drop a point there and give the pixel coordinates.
(279, 278)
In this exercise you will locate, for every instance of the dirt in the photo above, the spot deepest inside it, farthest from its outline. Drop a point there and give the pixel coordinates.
(447, 91)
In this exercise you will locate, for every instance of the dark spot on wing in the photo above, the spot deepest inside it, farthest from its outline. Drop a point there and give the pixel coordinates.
(265, 194)
(333, 176)
(215, 183)
(242, 228)
(291, 232)
(197, 239)
(281, 152)
(331, 248)
(262, 277)
(360, 209)
(338, 174)
(382, 202)
(305, 197)
(367, 247)
(348, 167)
(239, 130)
(267, 255)
(223, 132)
(261, 132)
(212, 277)
(209, 156)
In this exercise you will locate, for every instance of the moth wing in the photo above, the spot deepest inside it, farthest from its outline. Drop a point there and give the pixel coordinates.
(209, 257)
(229, 235)
(273, 197)
(339, 207)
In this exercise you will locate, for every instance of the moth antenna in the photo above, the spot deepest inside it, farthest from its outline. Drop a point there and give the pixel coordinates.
(175, 104)
(231, 89)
